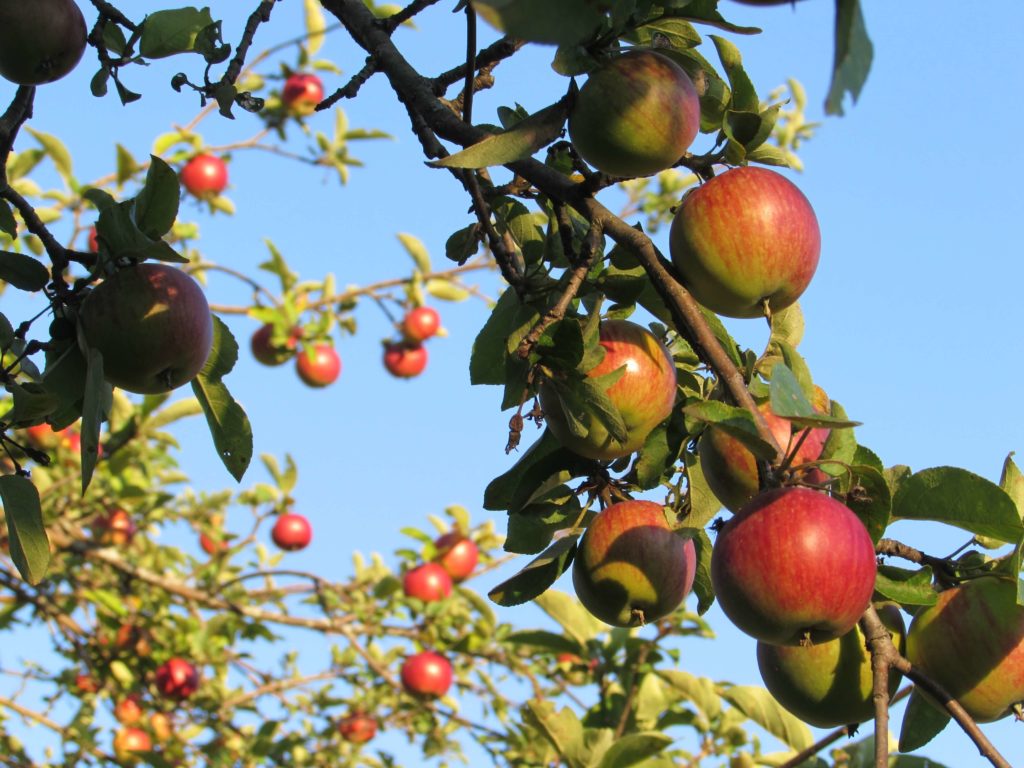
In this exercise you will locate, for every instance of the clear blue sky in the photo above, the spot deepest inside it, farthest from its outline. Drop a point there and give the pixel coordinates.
(914, 317)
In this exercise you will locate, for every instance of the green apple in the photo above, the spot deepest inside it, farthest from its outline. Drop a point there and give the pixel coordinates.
(746, 237)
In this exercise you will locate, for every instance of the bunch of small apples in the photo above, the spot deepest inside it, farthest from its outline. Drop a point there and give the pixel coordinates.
(317, 364)
(407, 358)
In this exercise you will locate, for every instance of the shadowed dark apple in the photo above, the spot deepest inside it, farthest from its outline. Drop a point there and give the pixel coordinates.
(644, 394)
(829, 684)
(40, 41)
(631, 568)
(745, 237)
(972, 642)
(794, 565)
(637, 114)
(152, 325)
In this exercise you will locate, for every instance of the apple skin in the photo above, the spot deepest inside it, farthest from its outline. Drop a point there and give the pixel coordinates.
(731, 469)
(161, 726)
(428, 582)
(457, 554)
(631, 568)
(426, 674)
(115, 529)
(793, 565)
(177, 678)
(266, 352)
(40, 41)
(129, 740)
(204, 176)
(212, 547)
(302, 92)
(128, 711)
(357, 728)
(636, 115)
(94, 240)
(153, 326)
(420, 324)
(829, 684)
(746, 235)
(405, 360)
(972, 643)
(86, 683)
(292, 532)
(644, 393)
(318, 367)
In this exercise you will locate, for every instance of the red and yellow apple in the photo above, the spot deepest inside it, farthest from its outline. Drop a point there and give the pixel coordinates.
(302, 92)
(426, 674)
(318, 366)
(405, 360)
(428, 582)
(420, 324)
(357, 728)
(457, 554)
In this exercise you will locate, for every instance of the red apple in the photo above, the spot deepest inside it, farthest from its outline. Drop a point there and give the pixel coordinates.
(405, 360)
(267, 352)
(636, 115)
(428, 582)
(426, 674)
(212, 547)
(128, 710)
(86, 683)
(94, 240)
(116, 529)
(457, 554)
(644, 394)
(318, 366)
(972, 643)
(129, 740)
(40, 41)
(302, 92)
(745, 237)
(420, 324)
(829, 684)
(292, 532)
(631, 567)
(152, 325)
(731, 469)
(794, 565)
(357, 728)
(204, 176)
(177, 678)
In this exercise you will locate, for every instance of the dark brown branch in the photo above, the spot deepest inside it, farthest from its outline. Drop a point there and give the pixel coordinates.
(469, 88)
(395, 20)
(351, 88)
(260, 16)
(893, 548)
(487, 58)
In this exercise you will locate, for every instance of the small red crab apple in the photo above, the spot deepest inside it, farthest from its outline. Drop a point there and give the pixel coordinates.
(292, 532)
(420, 324)
(357, 728)
(116, 528)
(130, 740)
(302, 92)
(267, 352)
(457, 554)
(427, 582)
(205, 176)
(177, 678)
(405, 360)
(319, 366)
(426, 674)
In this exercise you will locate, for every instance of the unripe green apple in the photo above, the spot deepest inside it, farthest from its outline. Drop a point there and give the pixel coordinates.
(40, 41)
(631, 567)
(794, 565)
(745, 237)
(644, 393)
(636, 115)
(972, 643)
(152, 325)
(829, 684)
(731, 469)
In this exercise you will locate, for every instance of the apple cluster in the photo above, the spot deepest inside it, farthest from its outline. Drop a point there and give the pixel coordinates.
(407, 358)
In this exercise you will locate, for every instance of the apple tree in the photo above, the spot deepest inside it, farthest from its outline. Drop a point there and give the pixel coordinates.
(653, 419)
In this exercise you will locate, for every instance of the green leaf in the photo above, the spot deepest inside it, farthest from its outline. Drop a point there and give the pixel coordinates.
(677, 34)
(572, 617)
(789, 401)
(787, 327)
(522, 141)
(906, 587)
(30, 549)
(744, 97)
(22, 271)
(543, 641)
(700, 691)
(634, 747)
(165, 33)
(315, 25)
(704, 505)
(446, 290)
(841, 445)
(57, 151)
(871, 501)
(922, 722)
(126, 165)
(561, 345)
(960, 498)
(738, 422)
(487, 360)
(536, 577)
(852, 58)
(563, 729)
(156, 206)
(462, 244)
(96, 403)
(229, 425)
(702, 586)
(757, 704)
(8, 225)
(1012, 481)
(417, 250)
(541, 21)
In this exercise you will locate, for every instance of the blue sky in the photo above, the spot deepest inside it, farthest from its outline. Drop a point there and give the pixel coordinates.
(914, 319)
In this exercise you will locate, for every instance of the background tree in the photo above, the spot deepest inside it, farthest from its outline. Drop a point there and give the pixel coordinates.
(209, 617)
